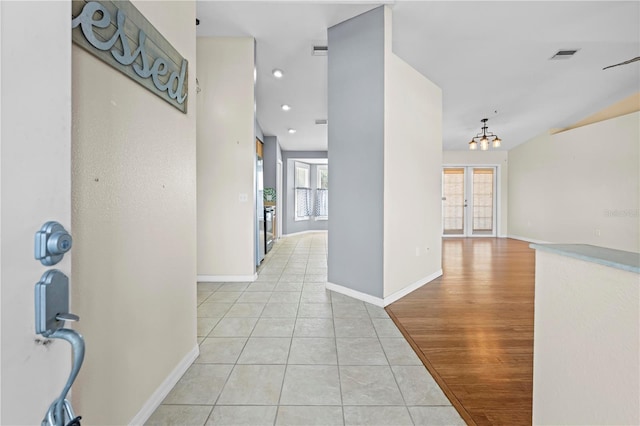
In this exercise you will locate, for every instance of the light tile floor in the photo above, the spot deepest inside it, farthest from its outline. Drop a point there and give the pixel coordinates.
(284, 351)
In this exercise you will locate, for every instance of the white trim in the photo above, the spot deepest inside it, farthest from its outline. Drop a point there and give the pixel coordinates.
(377, 301)
(527, 239)
(227, 278)
(410, 288)
(355, 294)
(469, 236)
(163, 390)
(478, 236)
(303, 232)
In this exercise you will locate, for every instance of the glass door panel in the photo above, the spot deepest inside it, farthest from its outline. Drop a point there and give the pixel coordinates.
(483, 206)
(453, 201)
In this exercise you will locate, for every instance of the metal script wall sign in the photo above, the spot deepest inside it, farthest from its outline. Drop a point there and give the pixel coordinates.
(117, 33)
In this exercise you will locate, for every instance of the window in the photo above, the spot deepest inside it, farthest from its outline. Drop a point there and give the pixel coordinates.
(303, 192)
(322, 193)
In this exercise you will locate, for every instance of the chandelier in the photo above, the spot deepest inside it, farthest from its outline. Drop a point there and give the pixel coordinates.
(484, 137)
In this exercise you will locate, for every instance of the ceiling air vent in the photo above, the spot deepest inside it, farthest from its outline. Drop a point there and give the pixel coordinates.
(320, 50)
(322, 121)
(564, 54)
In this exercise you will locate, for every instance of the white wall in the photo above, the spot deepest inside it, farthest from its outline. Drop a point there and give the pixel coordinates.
(226, 159)
(492, 158)
(586, 347)
(579, 186)
(134, 227)
(36, 187)
(412, 174)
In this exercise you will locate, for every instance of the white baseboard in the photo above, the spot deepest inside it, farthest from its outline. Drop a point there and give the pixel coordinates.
(355, 294)
(302, 233)
(410, 288)
(382, 302)
(227, 278)
(163, 390)
(529, 240)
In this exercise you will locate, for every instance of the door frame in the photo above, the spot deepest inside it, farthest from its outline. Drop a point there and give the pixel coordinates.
(497, 199)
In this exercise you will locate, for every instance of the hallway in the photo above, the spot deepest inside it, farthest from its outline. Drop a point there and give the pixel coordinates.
(285, 351)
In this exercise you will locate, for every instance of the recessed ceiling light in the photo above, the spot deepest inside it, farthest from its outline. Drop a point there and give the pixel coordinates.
(277, 73)
(292, 131)
(286, 107)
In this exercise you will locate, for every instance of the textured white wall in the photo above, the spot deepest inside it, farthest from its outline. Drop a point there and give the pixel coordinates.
(586, 347)
(579, 186)
(226, 158)
(493, 158)
(412, 173)
(36, 187)
(134, 223)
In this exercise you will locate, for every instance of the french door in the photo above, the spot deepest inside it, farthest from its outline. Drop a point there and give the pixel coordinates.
(469, 201)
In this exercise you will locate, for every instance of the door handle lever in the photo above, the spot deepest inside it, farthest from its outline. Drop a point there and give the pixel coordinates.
(67, 317)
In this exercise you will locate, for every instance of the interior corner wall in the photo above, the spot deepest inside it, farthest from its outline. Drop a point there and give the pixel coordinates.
(579, 186)
(134, 228)
(481, 158)
(356, 157)
(226, 158)
(289, 224)
(412, 176)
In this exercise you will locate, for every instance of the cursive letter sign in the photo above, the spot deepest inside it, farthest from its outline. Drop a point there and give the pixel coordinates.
(106, 29)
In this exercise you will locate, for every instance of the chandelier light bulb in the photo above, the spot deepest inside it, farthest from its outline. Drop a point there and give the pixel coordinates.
(484, 138)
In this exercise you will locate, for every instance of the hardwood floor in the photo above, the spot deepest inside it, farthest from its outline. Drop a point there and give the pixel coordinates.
(473, 328)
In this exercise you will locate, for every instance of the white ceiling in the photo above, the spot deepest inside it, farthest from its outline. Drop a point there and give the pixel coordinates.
(486, 56)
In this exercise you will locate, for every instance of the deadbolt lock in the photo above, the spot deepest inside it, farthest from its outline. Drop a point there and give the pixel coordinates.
(52, 241)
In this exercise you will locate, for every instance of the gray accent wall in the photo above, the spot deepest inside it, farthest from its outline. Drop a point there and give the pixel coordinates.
(258, 130)
(270, 157)
(356, 152)
(289, 225)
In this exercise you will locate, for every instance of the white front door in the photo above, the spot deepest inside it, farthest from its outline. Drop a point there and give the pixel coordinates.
(35, 180)
(469, 201)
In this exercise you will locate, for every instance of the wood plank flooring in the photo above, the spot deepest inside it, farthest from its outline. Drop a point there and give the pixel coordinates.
(473, 328)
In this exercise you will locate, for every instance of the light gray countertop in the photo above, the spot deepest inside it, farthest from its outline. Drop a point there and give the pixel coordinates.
(625, 260)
